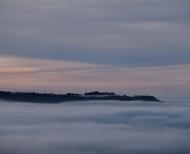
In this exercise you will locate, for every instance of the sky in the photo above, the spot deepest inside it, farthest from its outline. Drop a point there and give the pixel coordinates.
(133, 46)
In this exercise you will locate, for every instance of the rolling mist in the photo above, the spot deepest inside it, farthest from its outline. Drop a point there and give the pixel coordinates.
(95, 127)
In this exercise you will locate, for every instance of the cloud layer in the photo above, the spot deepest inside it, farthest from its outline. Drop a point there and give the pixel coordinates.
(95, 127)
(129, 32)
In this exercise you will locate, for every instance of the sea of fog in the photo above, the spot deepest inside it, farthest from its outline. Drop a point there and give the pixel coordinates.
(95, 127)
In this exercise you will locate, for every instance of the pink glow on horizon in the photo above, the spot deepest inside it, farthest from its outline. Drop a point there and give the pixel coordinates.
(59, 76)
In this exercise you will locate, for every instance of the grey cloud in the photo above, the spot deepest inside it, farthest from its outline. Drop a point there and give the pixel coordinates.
(117, 32)
(94, 127)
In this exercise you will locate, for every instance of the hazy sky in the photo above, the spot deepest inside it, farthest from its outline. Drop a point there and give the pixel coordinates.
(110, 44)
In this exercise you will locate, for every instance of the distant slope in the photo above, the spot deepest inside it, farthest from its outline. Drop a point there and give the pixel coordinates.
(57, 98)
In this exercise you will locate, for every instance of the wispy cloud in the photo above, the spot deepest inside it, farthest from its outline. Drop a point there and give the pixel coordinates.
(129, 32)
(60, 76)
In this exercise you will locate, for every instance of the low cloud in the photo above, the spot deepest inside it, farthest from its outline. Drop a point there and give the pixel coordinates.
(94, 127)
